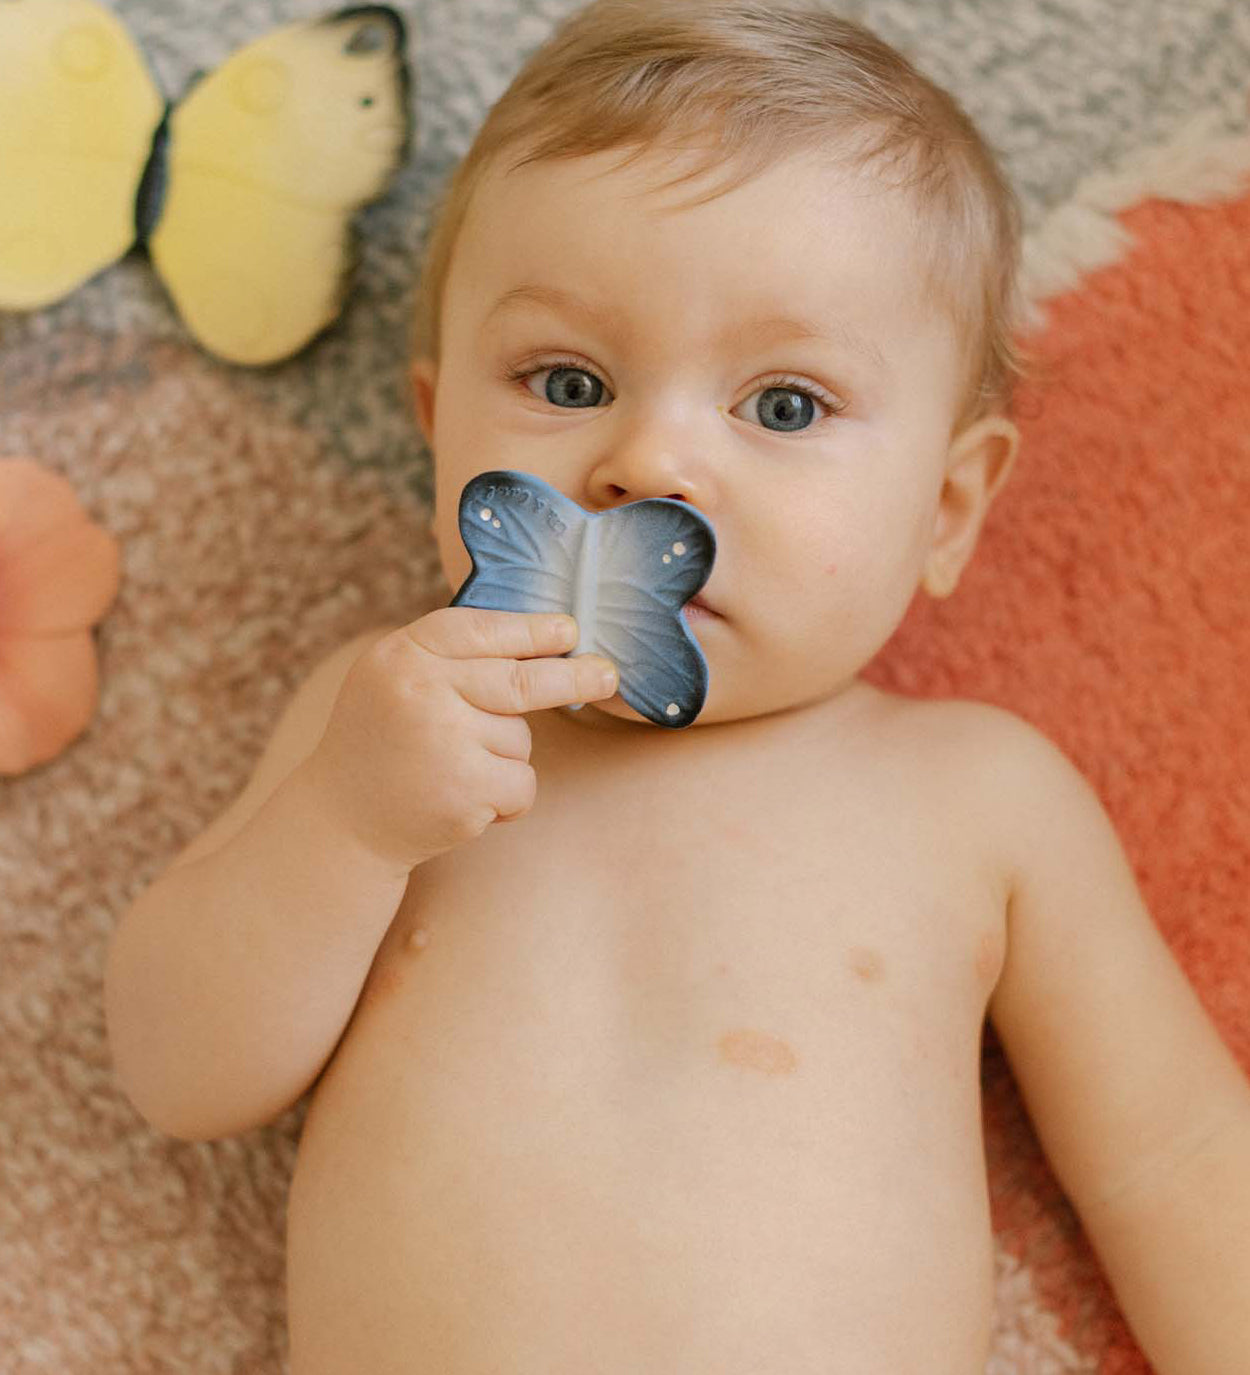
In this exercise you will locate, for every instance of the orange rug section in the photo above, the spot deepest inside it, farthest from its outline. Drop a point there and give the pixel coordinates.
(1107, 604)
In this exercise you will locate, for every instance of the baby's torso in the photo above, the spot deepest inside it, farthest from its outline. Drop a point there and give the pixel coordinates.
(679, 1073)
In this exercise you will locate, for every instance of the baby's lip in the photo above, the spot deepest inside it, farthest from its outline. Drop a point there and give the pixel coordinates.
(703, 605)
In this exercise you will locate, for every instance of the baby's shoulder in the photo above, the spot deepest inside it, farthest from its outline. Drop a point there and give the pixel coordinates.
(968, 731)
(995, 764)
(961, 728)
(1001, 773)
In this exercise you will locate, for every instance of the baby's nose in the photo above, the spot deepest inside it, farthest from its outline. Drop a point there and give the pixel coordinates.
(623, 494)
(646, 464)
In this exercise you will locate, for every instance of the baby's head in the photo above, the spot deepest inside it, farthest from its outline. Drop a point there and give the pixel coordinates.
(745, 255)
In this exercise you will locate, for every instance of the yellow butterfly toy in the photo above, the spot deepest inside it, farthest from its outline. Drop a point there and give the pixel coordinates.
(242, 192)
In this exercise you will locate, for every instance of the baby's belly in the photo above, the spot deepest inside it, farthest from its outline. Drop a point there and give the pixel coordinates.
(533, 1161)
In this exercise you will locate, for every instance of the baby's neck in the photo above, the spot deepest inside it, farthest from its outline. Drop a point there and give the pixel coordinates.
(589, 722)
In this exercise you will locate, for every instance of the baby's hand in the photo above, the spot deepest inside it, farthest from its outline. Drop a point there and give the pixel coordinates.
(426, 744)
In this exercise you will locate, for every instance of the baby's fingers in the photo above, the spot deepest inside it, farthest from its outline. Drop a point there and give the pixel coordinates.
(511, 686)
(472, 632)
(514, 786)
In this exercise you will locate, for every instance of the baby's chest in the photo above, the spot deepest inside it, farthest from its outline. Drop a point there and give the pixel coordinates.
(676, 1035)
(693, 926)
(686, 1018)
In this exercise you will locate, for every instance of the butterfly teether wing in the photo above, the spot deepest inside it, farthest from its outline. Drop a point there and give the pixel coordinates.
(78, 109)
(624, 574)
(653, 556)
(270, 157)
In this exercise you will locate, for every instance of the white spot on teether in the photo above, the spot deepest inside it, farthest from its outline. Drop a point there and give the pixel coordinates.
(668, 558)
(673, 709)
(495, 523)
(486, 513)
(679, 548)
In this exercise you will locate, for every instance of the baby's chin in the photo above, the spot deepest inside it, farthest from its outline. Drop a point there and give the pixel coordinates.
(726, 706)
(615, 715)
(611, 714)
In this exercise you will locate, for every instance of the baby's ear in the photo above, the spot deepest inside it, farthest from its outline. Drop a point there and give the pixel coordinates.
(978, 463)
(424, 378)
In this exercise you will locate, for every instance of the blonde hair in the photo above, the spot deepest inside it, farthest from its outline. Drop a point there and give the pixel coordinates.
(761, 81)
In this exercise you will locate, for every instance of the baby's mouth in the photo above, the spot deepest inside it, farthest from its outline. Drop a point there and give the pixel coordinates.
(697, 609)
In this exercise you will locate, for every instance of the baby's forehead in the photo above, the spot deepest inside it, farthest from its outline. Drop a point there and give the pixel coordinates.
(799, 208)
(809, 227)
(663, 179)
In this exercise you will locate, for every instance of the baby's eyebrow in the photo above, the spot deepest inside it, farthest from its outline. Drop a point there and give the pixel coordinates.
(774, 329)
(771, 329)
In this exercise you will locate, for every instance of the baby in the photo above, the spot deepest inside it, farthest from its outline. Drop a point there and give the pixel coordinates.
(681, 1073)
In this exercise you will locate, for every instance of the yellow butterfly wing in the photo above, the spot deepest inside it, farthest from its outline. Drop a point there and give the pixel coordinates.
(78, 109)
(270, 157)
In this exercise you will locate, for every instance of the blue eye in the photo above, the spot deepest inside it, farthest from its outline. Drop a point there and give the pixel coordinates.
(573, 387)
(789, 405)
(791, 410)
(783, 405)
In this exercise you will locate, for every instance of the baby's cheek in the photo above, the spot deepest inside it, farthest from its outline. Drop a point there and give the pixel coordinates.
(454, 557)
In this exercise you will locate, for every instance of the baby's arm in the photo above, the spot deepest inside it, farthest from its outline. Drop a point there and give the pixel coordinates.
(1142, 1110)
(231, 977)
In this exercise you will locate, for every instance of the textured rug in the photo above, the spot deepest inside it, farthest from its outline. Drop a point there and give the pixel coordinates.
(266, 516)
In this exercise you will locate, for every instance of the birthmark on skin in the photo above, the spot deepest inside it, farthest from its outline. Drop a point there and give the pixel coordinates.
(866, 963)
(757, 1050)
(417, 942)
(831, 568)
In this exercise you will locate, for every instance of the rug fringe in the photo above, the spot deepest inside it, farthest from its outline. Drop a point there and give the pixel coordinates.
(1199, 163)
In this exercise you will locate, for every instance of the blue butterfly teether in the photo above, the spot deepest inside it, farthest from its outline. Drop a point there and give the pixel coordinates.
(624, 574)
